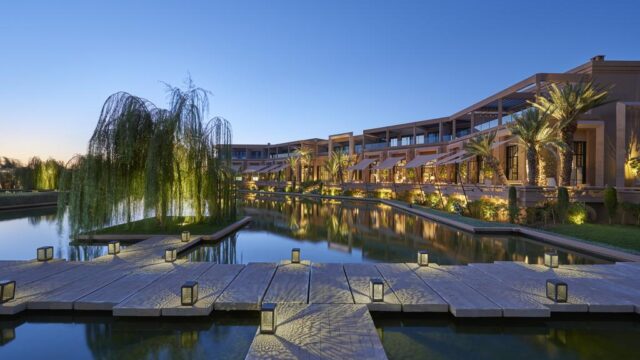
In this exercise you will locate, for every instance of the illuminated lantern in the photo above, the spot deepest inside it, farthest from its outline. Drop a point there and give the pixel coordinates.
(423, 258)
(551, 259)
(376, 290)
(557, 290)
(7, 290)
(268, 319)
(295, 255)
(114, 247)
(170, 255)
(189, 293)
(186, 236)
(45, 253)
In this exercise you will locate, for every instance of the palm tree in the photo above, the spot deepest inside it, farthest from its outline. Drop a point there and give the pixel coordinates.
(566, 105)
(293, 164)
(332, 165)
(305, 154)
(533, 130)
(480, 145)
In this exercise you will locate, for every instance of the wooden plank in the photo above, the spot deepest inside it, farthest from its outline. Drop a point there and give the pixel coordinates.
(463, 300)
(150, 300)
(513, 302)
(33, 271)
(118, 291)
(247, 290)
(290, 285)
(413, 293)
(329, 285)
(532, 286)
(320, 331)
(359, 276)
(211, 284)
(580, 290)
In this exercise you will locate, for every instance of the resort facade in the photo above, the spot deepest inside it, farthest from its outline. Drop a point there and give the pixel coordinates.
(429, 154)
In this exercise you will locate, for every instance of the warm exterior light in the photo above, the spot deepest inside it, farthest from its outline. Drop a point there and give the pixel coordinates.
(7, 290)
(186, 236)
(295, 255)
(189, 293)
(114, 247)
(551, 258)
(423, 258)
(557, 290)
(170, 255)
(376, 290)
(268, 319)
(45, 253)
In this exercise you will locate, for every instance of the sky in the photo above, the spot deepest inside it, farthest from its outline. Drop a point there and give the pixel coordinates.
(284, 70)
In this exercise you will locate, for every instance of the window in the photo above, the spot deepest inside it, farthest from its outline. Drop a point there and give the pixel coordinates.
(406, 140)
(419, 139)
(394, 142)
(512, 162)
(579, 167)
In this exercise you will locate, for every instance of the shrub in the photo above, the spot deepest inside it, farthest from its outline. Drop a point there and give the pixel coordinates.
(487, 209)
(563, 204)
(513, 204)
(577, 213)
(611, 202)
(632, 210)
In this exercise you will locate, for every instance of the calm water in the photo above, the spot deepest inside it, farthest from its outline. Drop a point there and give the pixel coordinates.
(81, 336)
(418, 337)
(351, 231)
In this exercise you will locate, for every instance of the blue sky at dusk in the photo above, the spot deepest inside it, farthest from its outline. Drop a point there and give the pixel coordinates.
(284, 70)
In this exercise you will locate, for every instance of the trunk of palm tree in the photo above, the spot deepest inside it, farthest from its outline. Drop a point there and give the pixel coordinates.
(532, 166)
(542, 175)
(497, 168)
(566, 155)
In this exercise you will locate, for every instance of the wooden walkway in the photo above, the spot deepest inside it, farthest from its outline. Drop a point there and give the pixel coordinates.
(323, 309)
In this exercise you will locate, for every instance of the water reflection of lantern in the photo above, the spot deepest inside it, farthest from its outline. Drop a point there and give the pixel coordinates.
(113, 248)
(188, 338)
(7, 290)
(170, 255)
(7, 335)
(186, 236)
(45, 253)
(551, 259)
(557, 290)
(268, 319)
(423, 258)
(376, 290)
(189, 293)
(295, 255)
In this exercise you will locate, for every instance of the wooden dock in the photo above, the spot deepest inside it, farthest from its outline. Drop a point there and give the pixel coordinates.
(323, 309)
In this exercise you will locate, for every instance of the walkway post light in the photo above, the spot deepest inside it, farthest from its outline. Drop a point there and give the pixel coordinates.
(295, 255)
(268, 318)
(7, 290)
(45, 253)
(376, 290)
(551, 259)
(189, 293)
(113, 247)
(557, 290)
(423, 258)
(170, 255)
(186, 236)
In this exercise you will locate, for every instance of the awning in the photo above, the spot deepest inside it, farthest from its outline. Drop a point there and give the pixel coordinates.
(496, 144)
(458, 160)
(361, 165)
(420, 160)
(252, 169)
(388, 163)
(279, 167)
(268, 168)
(447, 159)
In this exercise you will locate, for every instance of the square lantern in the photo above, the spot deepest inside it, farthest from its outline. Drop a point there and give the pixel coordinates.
(45, 253)
(170, 255)
(186, 236)
(7, 290)
(551, 259)
(189, 293)
(376, 290)
(268, 319)
(114, 247)
(423, 258)
(557, 290)
(295, 256)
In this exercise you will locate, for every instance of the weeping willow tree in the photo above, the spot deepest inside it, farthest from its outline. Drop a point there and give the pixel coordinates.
(144, 160)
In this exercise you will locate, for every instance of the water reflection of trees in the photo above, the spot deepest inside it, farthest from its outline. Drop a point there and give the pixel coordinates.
(223, 252)
(386, 234)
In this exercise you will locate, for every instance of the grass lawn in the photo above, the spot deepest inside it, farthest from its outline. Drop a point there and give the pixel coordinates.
(175, 226)
(622, 236)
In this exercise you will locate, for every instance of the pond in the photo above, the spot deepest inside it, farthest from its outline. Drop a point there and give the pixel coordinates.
(325, 231)
(101, 336)
(562, 337)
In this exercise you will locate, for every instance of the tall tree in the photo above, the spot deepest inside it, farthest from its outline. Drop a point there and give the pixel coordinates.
(566, 104)
(480, 145)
